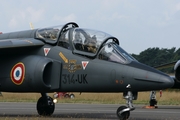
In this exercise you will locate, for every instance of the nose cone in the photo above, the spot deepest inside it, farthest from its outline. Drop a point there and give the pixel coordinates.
(166, 81)
(150, 78)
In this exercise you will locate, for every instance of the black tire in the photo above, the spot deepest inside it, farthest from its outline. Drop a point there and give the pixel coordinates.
(45, 106)
(124, 115)
(153, 102)
(72, 96)
(66, 96)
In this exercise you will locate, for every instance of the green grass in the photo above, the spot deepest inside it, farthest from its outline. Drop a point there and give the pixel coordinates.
(168, 98)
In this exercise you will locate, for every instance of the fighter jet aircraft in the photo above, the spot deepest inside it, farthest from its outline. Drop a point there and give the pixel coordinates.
(67, 58)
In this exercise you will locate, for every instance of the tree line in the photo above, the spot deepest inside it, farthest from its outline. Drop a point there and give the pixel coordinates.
(156, 56)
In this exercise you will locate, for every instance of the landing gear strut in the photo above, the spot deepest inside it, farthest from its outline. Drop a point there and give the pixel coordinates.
(153, 101)
(45, 105)
(123, 112)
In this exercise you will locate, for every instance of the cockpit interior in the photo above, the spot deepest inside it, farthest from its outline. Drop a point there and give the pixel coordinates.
(85, 42)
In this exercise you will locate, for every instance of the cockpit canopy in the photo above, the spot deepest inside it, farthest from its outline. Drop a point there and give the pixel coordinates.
(49, 34)
(86, 42)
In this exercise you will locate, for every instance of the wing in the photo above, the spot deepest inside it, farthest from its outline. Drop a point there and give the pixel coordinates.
(19, 45)
(167, 65)
(25, 42)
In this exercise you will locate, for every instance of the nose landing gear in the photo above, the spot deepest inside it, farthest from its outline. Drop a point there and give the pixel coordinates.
(153, 101)
(45, 105)
(123, 112)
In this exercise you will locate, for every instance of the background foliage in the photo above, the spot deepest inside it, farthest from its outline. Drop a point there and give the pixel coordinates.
(156, 56)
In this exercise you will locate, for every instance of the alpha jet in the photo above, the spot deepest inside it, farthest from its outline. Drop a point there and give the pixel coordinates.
(67, 58)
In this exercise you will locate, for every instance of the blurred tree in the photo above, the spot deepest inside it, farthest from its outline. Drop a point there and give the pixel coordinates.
(155, 56)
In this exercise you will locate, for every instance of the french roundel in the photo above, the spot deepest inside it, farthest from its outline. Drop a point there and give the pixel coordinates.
(17, 73)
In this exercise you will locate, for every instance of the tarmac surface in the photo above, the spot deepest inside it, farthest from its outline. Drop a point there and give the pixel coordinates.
(65, 111)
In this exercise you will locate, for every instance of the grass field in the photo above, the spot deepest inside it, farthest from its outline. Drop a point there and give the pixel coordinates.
(168, 98)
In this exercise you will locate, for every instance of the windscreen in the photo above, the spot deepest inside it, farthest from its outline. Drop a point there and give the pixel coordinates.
(48, 34)
(114, 53)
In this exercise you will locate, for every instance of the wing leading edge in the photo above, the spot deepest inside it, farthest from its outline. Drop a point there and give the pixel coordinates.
(18, 43)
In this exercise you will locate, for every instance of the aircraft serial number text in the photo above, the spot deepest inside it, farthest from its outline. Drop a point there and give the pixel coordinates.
(74, 78)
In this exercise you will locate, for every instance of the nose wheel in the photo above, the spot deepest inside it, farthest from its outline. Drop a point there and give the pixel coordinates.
(123, 112)
(45, 105)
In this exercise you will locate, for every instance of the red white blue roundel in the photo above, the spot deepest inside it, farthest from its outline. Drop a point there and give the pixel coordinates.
(17, 73)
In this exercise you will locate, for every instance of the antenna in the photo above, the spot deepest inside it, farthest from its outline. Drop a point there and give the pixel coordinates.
(31, 26)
